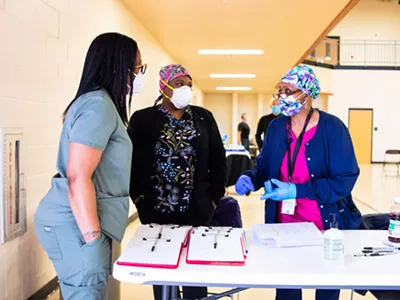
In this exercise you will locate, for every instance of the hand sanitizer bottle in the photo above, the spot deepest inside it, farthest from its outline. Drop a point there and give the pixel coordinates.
(334, 242)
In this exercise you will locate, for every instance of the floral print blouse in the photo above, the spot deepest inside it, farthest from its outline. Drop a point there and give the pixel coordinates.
(174, 163)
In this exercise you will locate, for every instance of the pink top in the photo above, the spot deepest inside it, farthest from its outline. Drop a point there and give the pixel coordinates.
(306, 210)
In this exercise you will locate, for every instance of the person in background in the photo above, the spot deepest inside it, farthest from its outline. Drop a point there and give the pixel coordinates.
(88, 202)
(244, 132)
(178, 160)
(264, 122)
(307, 165)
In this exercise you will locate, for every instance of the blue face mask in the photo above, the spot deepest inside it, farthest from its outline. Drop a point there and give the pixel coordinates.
(276, 110)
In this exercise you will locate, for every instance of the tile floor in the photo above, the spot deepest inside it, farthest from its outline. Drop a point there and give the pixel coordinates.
(374, 192)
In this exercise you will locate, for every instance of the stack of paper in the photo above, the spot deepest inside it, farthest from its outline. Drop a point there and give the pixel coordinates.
(156, 246)
(288, 234)
(217, 246)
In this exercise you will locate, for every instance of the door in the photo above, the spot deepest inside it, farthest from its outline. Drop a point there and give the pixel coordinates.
(360, 126)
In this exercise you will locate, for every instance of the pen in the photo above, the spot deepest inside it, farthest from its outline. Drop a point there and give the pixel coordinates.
(157, 239)
(381, 248)
(160, 233)
(378, 251)
(376, 254)
(245, 242)
(154, 246)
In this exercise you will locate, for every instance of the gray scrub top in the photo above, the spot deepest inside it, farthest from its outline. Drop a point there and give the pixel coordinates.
(93, 121)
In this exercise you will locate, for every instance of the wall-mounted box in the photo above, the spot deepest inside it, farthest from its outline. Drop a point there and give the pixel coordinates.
(13, 184)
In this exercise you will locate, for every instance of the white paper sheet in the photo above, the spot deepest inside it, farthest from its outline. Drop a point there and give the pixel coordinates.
(288, 234)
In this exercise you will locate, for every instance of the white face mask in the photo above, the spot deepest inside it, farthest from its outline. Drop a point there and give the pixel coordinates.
(182, 97)
(138, 83)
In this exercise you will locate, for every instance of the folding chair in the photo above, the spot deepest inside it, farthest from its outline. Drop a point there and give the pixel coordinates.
(387, 161)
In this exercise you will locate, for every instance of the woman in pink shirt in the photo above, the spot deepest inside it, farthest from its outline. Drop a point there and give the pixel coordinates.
(307, 165)
(306, 210)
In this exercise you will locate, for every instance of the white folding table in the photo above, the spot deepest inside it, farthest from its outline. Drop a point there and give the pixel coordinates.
(289, 268)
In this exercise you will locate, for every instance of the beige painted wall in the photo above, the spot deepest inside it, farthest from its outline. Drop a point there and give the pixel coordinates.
(322, 102)
(221, 107)
(266, 109)
(43, 44)
(371, 20)
(325, 79)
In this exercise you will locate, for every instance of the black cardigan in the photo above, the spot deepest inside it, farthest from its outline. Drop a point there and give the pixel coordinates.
(210, 174)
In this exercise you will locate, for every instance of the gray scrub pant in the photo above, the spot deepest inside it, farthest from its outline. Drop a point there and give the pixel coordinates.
(82, 269)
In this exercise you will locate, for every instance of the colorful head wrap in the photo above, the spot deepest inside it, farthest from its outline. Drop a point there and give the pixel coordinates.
(170, 72)
(303, 78)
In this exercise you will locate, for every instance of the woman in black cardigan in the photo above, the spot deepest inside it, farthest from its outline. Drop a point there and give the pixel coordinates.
(178, 162)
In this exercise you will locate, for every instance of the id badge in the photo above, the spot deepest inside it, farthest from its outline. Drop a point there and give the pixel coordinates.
(288, 206)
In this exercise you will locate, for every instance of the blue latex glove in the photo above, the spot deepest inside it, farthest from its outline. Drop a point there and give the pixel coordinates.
(244, 185)
(284, 190)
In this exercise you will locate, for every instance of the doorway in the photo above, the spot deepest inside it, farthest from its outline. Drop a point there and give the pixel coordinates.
(361, 128)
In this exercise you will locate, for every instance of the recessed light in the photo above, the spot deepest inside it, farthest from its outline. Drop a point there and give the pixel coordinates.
(232, 75)
(233, 88)
(231, 52)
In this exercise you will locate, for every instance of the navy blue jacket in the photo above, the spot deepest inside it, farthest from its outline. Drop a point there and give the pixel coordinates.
(331, 163)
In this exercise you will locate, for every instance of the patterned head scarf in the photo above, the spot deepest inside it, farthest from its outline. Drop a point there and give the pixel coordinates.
(303, 78)
(170, 72)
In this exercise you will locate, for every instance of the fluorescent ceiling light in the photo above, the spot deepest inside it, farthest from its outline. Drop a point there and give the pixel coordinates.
(232, 75)
(231, 52)
(233, 88)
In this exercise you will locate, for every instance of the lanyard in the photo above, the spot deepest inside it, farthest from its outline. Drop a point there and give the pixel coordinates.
(292, 161)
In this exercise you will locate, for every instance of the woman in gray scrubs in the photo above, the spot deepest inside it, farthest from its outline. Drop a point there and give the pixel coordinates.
(88, 202)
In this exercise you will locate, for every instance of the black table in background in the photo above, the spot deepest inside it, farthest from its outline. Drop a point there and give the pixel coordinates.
(237, 164)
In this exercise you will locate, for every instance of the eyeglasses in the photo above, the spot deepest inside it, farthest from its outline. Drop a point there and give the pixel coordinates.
(142, 68)
(285, 91)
